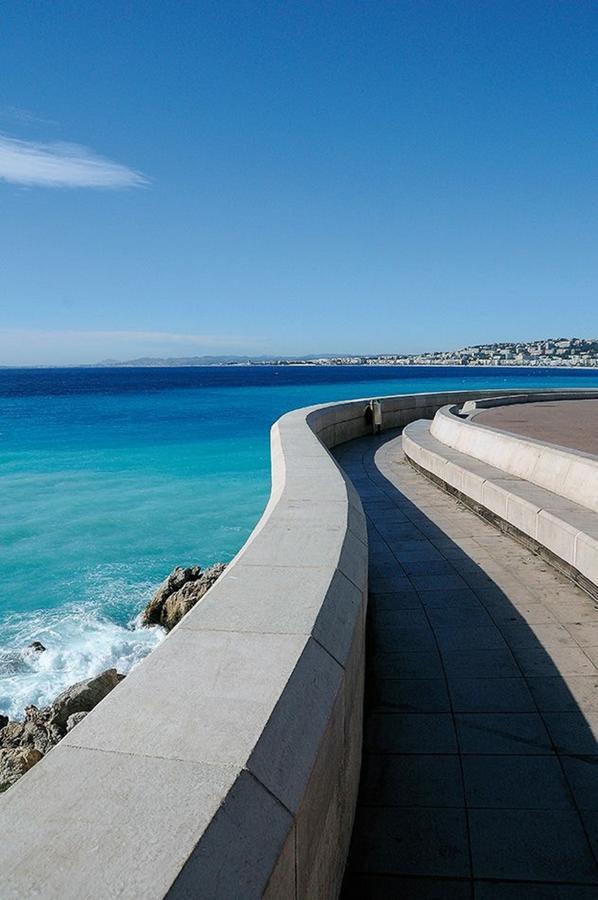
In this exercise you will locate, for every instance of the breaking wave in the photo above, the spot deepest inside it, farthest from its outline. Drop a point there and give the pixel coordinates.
(80, 640)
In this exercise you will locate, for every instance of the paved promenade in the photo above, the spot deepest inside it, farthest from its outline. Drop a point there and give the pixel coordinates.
(570, 423)
(480, 770)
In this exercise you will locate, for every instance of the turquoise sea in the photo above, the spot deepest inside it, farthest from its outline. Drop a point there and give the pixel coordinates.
(111, 477)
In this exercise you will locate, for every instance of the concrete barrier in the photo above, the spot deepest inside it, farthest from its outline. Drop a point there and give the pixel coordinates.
(566, 533)
(566, 472)
(226, 765)
(479, 404)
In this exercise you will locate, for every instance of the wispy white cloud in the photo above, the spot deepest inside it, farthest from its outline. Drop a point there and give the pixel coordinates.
(60, 164)
(24, 116)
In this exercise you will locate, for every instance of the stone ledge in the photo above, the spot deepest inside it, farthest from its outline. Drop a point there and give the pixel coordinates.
(569, 473)
(479, 404)
(566, 532)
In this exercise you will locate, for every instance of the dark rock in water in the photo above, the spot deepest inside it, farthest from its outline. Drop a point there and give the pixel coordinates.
(39, 735)
(37, 646)
(22, 744)
(15, 762)
(10, 735)
(40, 716)
(74, 720)
(175, 581)
(36, 731)
(83, 696)
(179, 593)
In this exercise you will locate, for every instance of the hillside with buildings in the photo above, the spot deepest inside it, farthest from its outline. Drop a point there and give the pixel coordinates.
(578, 352)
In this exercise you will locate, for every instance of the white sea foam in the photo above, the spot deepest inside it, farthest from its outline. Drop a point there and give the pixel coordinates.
(80, 642)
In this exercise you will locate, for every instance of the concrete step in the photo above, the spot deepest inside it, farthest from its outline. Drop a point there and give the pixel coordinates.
(566, 531)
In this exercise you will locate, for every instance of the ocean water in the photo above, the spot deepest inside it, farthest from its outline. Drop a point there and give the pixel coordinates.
(111, 477)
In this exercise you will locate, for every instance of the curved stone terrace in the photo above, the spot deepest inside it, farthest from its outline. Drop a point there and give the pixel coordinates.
(227, 765)
(568, 423)
(480, 768)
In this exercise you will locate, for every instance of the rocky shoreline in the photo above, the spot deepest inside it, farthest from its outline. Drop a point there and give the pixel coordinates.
(24, 743)
(179, 593)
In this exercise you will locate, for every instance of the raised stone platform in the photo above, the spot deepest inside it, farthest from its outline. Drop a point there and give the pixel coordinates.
(569, 423)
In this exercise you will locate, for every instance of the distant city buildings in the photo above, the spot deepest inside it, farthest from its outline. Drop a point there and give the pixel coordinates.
(577, 352)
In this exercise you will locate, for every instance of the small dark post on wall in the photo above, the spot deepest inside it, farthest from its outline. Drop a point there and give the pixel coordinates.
(374, 415)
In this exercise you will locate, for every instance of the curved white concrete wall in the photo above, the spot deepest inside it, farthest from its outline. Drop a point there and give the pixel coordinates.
(472, 406)
(227, 763)
(555, 526)
(568, 473)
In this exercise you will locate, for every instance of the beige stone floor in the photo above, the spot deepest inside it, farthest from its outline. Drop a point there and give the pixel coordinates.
(570, 423)
(480, 769)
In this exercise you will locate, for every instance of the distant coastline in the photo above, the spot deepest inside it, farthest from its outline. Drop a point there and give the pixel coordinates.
(562, 352)
(547, 353)
(301, 365)
(354, 365)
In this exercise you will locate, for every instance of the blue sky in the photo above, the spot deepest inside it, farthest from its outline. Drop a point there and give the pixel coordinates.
(256, 177)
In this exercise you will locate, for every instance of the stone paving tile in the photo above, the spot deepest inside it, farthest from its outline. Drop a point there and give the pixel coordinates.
(409, 695)
(405, 532)
(394, 887)
(531, 613)
(383, 516)
(574, 612)
(379, 551)
(463, 549)
(412, 617)
(502, 733)
(392, 582)
(510, 695)
(412, 780)
(381, 556)
(431, 567)
(477, 580)
(527, 890)
(590, 822)
(384, 570)
(401, 664)
(573, 732)
(480, 664)
(592, 654)
(586, 634)
(524, 636)
(476, 637)
(523, 845)
(414, 841)
(450, 599)
(409, 733)
(504, 696)
(515, 782)
(458, 617)
(416, 553)
(560, 660)
(558, 694)
(438, 582)
(582, 775)
(388, 639)
(513, 595)
(394, 600)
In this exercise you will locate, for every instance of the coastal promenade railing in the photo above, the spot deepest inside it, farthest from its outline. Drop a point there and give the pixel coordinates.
(227, 763)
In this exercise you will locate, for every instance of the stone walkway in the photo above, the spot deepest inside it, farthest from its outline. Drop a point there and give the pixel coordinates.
(480, 769)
